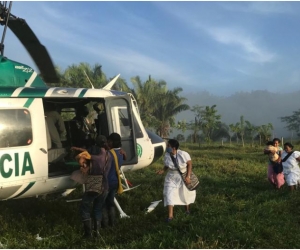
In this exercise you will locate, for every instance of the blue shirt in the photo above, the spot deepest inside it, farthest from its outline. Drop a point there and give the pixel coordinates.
(112, 174)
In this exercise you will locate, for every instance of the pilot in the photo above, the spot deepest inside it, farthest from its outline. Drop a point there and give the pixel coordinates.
(55, 125)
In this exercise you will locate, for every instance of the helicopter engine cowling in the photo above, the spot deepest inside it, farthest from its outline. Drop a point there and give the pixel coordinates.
(14, 74)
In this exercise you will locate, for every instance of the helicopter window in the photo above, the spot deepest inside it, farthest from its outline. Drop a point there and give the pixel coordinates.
(68, 113)
(124, 123)
(125, 126)
(137, 129)
(15, 128)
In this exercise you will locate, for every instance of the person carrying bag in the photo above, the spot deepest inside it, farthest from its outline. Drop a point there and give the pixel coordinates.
(194, 182)
(96, 187)
(175, 186)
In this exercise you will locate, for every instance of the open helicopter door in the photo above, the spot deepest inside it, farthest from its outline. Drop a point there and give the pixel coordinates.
(120, 120)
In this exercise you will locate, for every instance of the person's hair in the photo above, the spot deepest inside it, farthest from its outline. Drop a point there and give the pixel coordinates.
(82, 111)
(115, 138)
(276, 139)
(100, 140)
(174, 143)
(269, 143)
(289, 145)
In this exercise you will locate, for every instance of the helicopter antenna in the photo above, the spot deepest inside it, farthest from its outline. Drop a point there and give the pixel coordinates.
(2, 16)
(88, 79)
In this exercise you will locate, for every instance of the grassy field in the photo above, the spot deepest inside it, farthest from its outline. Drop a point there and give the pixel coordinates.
(235, 207)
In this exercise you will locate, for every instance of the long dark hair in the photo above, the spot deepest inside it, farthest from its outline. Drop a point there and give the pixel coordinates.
(174, 143)
(289, 145)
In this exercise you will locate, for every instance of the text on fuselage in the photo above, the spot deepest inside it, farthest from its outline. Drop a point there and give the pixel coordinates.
(16, 169)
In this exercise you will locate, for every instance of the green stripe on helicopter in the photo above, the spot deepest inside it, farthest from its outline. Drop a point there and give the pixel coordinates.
(28, 102)
(33, 92)
(82, 93)
(7, 92)
(25, 190)
(41, 92)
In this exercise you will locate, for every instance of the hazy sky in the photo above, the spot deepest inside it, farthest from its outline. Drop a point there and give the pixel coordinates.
(220, 47)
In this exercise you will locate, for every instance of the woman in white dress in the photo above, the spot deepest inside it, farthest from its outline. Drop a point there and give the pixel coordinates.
(175, 191)
(290, 165)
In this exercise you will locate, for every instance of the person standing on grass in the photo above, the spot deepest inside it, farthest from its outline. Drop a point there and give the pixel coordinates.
(277, 180)
(291, 168)
(108, 212)
(93, 202)
(175, 192)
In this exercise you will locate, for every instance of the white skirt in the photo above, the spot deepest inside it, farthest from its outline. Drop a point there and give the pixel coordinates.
(175, 191)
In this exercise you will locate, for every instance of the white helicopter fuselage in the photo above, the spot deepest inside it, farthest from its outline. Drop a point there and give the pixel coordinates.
(30, 167)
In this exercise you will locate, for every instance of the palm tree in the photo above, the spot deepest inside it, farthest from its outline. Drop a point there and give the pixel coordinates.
(265, 132)
(208, 120)
(235, 129)
(146, 95)
(82, 76)
(242, 129)
(168, 104)
(252, 130)
(158, 106)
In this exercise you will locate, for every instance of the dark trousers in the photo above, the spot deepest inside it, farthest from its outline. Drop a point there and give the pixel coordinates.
(92, 201)
(109, 201)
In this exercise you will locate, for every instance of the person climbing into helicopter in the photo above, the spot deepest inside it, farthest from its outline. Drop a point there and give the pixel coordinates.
(108, 212)
(96, 166)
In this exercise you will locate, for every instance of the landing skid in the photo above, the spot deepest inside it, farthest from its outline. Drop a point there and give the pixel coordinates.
(127, 186)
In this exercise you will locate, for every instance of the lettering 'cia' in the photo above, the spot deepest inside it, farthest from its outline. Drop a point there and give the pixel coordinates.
(18, 170)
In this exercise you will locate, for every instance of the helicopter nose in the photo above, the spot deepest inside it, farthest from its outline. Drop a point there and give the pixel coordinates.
(158, 143)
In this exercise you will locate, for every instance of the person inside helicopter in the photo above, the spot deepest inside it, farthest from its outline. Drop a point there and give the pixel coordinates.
(86, 131)
(55, 125)
(101, 120)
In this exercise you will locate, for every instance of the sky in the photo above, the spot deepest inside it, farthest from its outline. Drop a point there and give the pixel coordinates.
(219, 47)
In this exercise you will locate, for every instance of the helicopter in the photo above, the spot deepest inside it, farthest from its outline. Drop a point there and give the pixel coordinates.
(29, 164)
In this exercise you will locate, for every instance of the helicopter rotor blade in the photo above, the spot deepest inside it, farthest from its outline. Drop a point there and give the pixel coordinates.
(37, 51)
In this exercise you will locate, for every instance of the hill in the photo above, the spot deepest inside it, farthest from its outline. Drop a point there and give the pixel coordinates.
(259, 107)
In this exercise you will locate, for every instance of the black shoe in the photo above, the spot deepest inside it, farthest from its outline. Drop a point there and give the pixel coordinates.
(87, 229)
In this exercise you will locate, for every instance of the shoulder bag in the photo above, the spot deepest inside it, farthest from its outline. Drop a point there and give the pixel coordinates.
(277, 166)
(194, 179)
(94, 183)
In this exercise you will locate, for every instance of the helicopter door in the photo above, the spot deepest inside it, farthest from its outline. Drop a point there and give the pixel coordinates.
(23, 154)
(120, 120)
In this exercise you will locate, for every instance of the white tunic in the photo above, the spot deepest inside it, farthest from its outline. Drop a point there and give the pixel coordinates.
(175, 191)
(291, 168)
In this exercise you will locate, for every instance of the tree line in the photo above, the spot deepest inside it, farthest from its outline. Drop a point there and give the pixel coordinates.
(158, 107)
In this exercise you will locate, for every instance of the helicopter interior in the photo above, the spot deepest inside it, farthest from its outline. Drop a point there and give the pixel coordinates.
(82, 129)
(61, 159)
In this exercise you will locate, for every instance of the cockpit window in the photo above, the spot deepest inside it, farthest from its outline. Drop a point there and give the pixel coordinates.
(15, 128)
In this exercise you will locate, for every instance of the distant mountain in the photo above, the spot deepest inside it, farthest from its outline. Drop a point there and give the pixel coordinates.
(258, 107)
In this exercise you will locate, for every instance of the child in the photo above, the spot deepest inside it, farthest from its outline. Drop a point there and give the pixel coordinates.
(84, 161)
(273, 156)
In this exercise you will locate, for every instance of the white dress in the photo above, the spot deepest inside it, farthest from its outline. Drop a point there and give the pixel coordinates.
(175, 191)
(291, 168)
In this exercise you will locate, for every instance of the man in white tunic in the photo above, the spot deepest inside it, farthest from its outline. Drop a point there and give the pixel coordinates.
(175, 192)
(290, 165)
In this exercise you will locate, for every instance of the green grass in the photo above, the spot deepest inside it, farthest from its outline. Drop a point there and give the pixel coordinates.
(235, 207)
